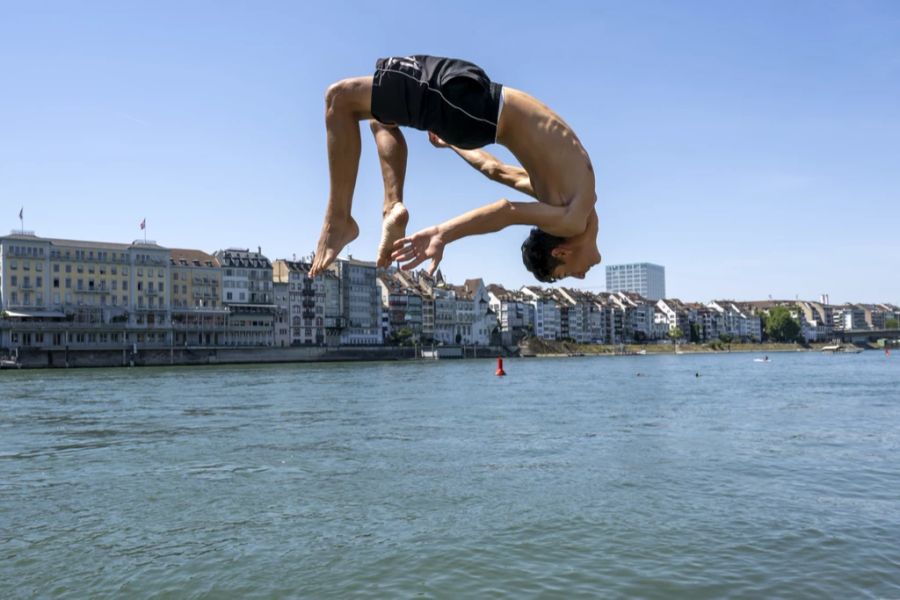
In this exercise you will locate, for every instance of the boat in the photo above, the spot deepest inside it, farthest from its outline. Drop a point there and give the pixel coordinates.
(842, 349)
(10, 363)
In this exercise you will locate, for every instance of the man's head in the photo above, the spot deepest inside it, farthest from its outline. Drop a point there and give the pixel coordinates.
(550, 257)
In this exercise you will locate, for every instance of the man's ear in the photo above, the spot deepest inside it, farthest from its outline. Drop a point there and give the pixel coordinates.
(561, 251)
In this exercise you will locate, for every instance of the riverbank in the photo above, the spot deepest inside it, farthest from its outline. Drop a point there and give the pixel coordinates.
(540, 347)
(35, 358)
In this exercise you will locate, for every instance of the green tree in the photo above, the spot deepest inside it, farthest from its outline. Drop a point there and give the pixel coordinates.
(695, 333)
(402, 337)
(675, 334)
(726, 338)
(892, 324)
(781, 326)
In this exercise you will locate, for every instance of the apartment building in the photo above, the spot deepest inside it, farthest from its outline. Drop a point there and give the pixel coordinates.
(199, 317)
(646, 279)
(301, 303)
(57, 293)
(546, 312)
(401, 306)
(360, 302)
(248, 292)
(514, 313)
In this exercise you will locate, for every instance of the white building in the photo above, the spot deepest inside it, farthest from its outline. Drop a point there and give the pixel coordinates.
(646, 279)
(546, 312)
(360, 302)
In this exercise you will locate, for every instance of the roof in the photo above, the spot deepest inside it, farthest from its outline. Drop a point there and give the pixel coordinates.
(148, 245)
(184, 257)
(237, 257)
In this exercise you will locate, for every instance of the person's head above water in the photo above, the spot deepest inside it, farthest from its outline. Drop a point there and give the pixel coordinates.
(551, 258)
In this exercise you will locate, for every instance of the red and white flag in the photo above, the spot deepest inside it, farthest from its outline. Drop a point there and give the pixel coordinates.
(144, 223)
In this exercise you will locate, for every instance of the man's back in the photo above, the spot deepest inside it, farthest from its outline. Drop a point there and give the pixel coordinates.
(548, 149)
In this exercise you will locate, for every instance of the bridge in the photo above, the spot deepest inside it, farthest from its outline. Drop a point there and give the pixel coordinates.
(867, 335)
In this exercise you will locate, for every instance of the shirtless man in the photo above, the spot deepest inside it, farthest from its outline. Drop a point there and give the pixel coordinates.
(462, 109)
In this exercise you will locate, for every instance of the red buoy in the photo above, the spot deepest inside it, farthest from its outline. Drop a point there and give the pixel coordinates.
(500, 372)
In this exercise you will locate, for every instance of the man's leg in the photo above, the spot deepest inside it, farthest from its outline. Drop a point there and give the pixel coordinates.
(346, 103)
(392, 154)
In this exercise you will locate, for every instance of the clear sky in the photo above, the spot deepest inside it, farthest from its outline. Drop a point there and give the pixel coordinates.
(753, 148)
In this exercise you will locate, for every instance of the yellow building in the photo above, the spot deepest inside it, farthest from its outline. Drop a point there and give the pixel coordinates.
(198, 315)
(58, 293)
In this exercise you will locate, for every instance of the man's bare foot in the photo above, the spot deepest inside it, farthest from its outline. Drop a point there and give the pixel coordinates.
(393, 228)
(335, 235)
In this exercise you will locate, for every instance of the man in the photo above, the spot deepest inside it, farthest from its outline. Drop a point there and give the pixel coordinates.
(464, 110)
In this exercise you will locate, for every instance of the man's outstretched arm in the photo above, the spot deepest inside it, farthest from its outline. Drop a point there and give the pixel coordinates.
(430, 242)
(490, 166)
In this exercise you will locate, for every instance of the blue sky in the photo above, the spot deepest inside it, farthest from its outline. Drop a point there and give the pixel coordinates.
(753, 148)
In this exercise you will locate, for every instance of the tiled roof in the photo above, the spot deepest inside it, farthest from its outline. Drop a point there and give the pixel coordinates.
(183, 257)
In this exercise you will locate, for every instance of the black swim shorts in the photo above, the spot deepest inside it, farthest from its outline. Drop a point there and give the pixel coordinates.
(450, 97)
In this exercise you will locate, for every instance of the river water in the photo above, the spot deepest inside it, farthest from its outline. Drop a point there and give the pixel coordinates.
(569, 478)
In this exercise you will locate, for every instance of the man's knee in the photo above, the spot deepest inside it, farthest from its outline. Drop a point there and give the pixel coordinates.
(348, 95)
(377, 126)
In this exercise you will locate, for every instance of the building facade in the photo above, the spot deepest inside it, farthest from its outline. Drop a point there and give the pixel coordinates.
(646, 279)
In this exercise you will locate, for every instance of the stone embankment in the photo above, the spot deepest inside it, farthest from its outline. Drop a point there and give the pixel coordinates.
(34, 358)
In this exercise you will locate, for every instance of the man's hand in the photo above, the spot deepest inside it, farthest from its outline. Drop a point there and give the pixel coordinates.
(436, 141)
(419, 247)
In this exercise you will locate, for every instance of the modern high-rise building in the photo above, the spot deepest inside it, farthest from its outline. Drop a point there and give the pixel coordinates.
(646, 279)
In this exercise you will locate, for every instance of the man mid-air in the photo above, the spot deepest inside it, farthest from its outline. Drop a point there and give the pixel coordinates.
(464, 110)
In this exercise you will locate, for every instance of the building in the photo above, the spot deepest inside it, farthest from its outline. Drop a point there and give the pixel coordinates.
(359, 306)
(198, 316)
(401, 306)
(248, 292)
(57, 293)
(301, 303)
(646, 279)
(514, 313)
(546, 312)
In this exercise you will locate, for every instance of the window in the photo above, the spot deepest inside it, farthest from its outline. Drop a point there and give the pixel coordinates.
(56, 267)
(68, 268)
(12, 279)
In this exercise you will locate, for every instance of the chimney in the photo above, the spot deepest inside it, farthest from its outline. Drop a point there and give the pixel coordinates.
(259, 250)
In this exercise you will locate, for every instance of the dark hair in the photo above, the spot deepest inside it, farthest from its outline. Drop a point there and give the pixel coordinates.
(536, 254)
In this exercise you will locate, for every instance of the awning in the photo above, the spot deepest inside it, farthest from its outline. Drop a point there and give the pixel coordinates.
(34, 314)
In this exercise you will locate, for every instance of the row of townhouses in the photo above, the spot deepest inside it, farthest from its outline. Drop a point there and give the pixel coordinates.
(57, 293)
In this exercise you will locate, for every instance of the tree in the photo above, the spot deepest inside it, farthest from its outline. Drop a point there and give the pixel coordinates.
(892, 324)
(726, 338)
(403, 337)
(781, 326)
(695, 332)
(675, 334)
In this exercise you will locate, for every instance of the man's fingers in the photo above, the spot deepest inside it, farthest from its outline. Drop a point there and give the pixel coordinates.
(433, 267)
(414, 263)
(403, 255)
